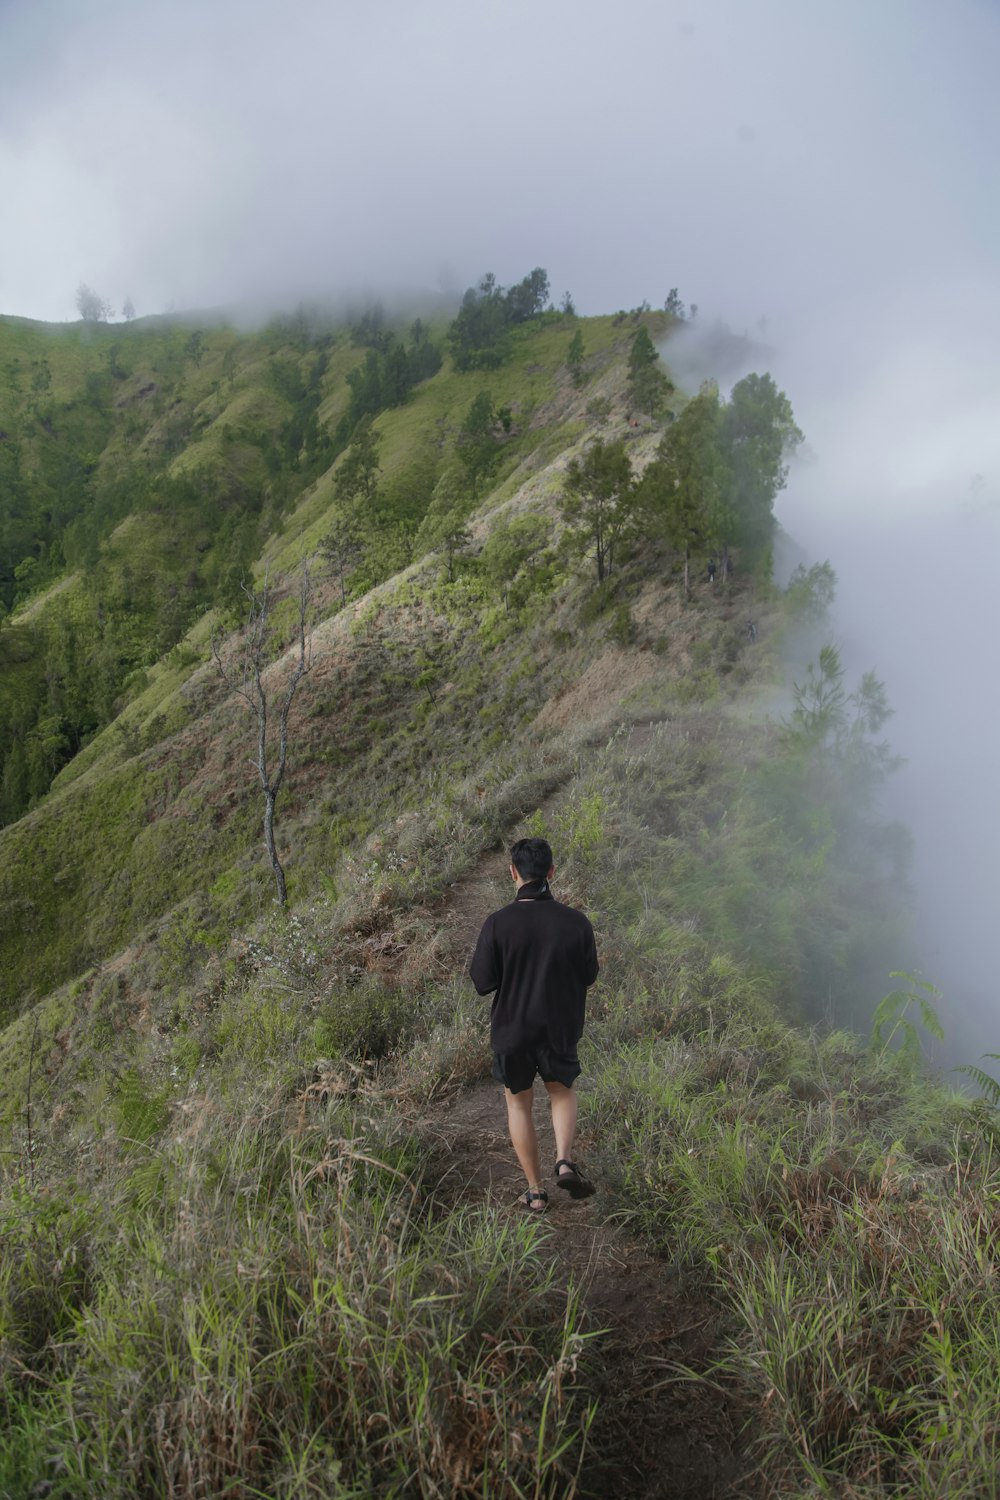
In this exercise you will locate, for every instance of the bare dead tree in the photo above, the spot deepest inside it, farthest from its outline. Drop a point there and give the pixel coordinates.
(248, 684)
(27, 1109)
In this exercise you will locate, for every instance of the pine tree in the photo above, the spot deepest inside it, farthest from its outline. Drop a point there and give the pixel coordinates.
(682, 487)
(648, 386)
(599, 504)
(758, 435)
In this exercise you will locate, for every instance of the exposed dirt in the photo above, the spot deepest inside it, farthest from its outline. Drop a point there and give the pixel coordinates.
(659, 1433)
(471, 900)
(614, 673)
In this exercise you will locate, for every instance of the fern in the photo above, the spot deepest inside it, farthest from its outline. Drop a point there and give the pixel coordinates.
(891, 1019)
(989, 1086)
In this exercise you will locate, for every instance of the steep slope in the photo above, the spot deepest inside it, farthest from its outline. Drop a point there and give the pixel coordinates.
(158, 805)
(259, 1228)
(142, 468)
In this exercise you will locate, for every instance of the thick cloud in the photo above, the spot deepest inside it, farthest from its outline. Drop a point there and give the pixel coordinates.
(764, 158)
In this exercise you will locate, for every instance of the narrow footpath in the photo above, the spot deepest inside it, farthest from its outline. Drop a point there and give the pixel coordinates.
(660, 1434)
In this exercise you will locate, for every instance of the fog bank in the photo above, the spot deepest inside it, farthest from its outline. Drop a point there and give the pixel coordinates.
(767, 159)
(901, 491)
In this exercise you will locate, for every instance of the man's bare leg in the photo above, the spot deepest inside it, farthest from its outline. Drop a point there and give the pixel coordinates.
(563, 1102)
(523, 1136)
(568, 1176)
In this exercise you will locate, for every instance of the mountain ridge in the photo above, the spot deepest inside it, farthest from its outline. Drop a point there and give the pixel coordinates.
(258, 1219)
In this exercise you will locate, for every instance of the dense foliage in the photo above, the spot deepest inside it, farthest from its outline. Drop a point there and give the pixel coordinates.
(390, 371)
(710, 486)
(479, 337)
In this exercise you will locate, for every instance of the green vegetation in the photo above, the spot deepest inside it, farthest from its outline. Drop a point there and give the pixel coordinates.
(266, 1306)
(574, 357)
(390, 370)
(758, 437)
(234, 1254)
(480, 336)
(683, 486)
(648, 386)
(718, 469)
(141, 469)
(712, 482)
(138, 813)
(833, 1197)
(599, 504)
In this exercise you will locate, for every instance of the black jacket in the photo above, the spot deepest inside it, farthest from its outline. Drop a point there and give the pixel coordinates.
(539, 956)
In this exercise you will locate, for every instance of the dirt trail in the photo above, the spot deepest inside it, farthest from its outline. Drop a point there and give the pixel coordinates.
(486, 886)
(658, 1436)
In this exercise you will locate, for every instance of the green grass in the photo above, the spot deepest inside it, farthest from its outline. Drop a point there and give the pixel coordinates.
(320, 1329)
(433, 416)
(153, 812)
(323, 1328)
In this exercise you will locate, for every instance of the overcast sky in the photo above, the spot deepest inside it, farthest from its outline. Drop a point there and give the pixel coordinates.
(828, 167)
(766, 156)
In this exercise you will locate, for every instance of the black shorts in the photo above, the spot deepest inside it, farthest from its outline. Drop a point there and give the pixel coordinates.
(516, 1070)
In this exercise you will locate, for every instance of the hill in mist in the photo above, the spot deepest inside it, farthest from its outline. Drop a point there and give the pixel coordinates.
(259, 1235)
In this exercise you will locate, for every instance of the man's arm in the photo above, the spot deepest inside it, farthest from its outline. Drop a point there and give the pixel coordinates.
(591, 966)
(484, 969)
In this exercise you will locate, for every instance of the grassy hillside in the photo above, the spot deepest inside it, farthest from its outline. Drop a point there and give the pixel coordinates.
(148, 811)
(256, 1232)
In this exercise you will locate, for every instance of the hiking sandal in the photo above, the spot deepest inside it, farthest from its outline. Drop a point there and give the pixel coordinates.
(533, 1196)
(573, 1181)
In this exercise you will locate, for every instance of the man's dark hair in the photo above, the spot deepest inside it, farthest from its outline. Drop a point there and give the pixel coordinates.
(531, 858)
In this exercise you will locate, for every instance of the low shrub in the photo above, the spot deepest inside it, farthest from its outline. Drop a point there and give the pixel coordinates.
(363, 1022)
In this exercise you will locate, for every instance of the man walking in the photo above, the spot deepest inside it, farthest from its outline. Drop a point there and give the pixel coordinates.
(537, 957)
